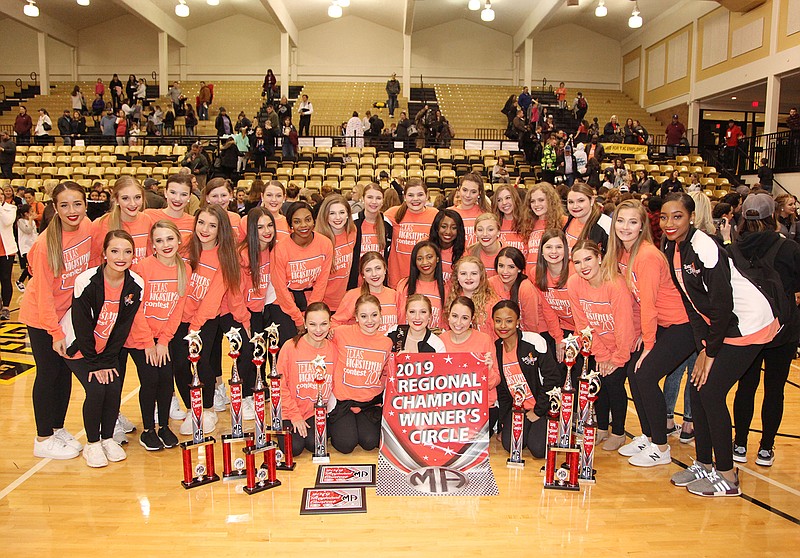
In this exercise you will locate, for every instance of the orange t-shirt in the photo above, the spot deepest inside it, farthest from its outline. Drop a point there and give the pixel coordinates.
(139, 229)
(431, 290)
(573, 233)
(478, 343)
(340, 272)
(558, 300)
(206, 291)
(161, 309)
(447, 264)
(488, 261)
(512, 372)
(510, 237)
(185, 223)
(360, 367)
(369, 239)
(528, 301)
(534, 244)
(298, 388)
(298, 268)
(345, 315)
(415, 228)
(281, 228)
(47, 297)
(469, 216)
(256, 296)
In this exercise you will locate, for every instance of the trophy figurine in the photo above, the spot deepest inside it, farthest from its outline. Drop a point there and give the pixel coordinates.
(321, 454)
(571, 349)
(517, 427)
(259, 478)
(284, 459)
(589, 433)
(234, 469)
(203, 472)
(583, 384)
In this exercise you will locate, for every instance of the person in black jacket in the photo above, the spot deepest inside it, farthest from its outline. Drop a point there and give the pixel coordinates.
(223, 123)
(526, 367)
(757, 238)
(104, 304)
(416, 336)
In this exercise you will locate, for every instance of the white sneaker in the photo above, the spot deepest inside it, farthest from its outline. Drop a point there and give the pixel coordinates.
(638, 444)
(127, 425)
(53, 448)
(248, 408)
(94, 455)
(175, 411)
(220, 398)
(113, 450)
(119, 433)
(186, 426)
(68, 439)
(209, 421)
(651, 456)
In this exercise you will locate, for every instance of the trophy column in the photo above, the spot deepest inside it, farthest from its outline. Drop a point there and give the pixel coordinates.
(517, 427)
(234, 468)
(203, 472)
(284, 460)
(567, 393)
(321, 454)
(587, 471)
(583, 384)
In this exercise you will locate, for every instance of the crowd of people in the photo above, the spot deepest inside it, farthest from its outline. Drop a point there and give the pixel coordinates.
(666, 288)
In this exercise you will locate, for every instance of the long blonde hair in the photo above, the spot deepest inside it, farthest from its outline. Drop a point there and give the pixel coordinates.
(703, 220)
(610, 266)
(114, 217)
(476, 248)
(55, 230)
(554, 218)
(517, 213)
(482, 295)
(183, 279)
(322, 225)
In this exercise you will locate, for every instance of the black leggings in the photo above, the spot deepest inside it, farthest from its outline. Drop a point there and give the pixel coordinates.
(52, 386)
(179, 349)
(156, 387)
(534, 435)
(673, 345)
(777, 362)
(349, 429)
(286, 327)
(613, 399)
(712, 420)
(101, 406)
(6, 289)
(247, 370)
(298, 442)
(23, 264)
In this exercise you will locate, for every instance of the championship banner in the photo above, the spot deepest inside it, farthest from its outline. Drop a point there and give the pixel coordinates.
(625, 148)
(435, 430)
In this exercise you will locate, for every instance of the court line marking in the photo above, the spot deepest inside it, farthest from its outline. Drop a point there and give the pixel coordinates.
(41, 464)
(764, 478)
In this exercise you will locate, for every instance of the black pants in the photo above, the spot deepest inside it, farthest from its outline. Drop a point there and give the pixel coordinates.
(299, 443)
(101, 406)
(23, 264)
(247, 370)
(712, 420)
(286, 326)
(6, 169)
(612, 399)
(6, 289)
(305, 124)
(349, 429)
(534, 435)
(179, 349)
(156, 387)
(52, 386)
(777, 362)
(673, 345)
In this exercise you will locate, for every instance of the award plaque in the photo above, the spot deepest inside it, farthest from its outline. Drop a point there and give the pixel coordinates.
(234, 469)
(583, 383)
(203, 472)
(517, 427)
(321, 454)
(571, 349)
(276, 415)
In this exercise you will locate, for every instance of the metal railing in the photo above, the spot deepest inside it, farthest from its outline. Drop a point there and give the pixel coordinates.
(780, 149)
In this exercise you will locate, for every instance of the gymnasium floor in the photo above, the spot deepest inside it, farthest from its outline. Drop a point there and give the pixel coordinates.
(138, 506)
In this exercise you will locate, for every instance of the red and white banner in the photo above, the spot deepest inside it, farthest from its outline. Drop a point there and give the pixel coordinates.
(435, 430)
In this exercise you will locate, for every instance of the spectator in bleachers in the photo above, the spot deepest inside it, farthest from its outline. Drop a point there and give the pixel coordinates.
(392, 91)
(197, 163)
(152, 197)
(64, 127)
(567, 165)
(620, 172)
(169, 122)
(549, 157)
(421, 123)
(765, 176)
(136, 111)
(78, 101)
(203, 101)
(8, 151)
(242, 121)
(130, 88)
(441, 127)
(283, 109)
(671, 184)
(733, 133)
(582, 133)
(270, 86)
(150, 129)
(401, 132)
(99, 87)
(722, 219)
(499, 172)
(190, 121)
(289, 133)
(134, 131)
(642, 137)
(141, 91)
(122, 127)
(223, 123)
(675, 132)
(23, 126)
(305, 109)
(97, 107)
(243, 145)
(519, 125)
(524, 101)
(644, 184)
(271, 135)
(259, 149)
(580, 106)
(157, 118)
(548, 127)
(115, 86)
(561, 95)
(354, 131)
(694, 183)
(177, 97)
(612, 132)
(534, 114)
(786, 216)
(629, 132)
(77, 126)
(43, 127)
(595, 149)
(225, 165)
(272, 117)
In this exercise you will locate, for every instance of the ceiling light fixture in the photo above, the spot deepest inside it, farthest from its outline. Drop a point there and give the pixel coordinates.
(733, 98)
(181, 9)
(83, 2)
(474, 5)
(601, 10)
(334, 10)
(31, 9)
(488, 13)
(212, 2)
(635, 21)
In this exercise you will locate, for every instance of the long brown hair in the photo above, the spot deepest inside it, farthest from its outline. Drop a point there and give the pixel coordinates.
(366, 259)
(477, 179)
(323, 227)
(610, 266)
(412, 182)
(226, 241)
(114, 217)
(380, 226)
(55, 230)
(252, 245)
(554, 218)
(594, 216)
(541, 264)
(517, 213)
(213, 184)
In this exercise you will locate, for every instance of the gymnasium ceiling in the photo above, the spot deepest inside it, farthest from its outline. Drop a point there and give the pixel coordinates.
(511, 15)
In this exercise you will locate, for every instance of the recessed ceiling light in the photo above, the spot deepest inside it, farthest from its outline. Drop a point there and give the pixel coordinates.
(733, 98)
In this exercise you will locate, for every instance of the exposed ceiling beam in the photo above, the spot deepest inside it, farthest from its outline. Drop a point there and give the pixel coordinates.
(280, 15)
(408, 17)
(43, 23)
(155, 16)
(537, 19)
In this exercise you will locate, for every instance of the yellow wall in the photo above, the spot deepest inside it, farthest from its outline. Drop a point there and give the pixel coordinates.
(673, 89)
(786, 41)
(631, 88)
(736, 21)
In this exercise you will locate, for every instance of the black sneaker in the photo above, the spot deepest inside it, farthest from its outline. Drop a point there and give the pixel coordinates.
(686, 437)
(150, 441)
(675, 430)
(765, 457)
(739, 453)
(167, 437)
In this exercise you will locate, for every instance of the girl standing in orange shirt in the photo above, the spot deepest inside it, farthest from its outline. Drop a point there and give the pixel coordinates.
(411, 222)
(335, 222)
(218, 191)
(128, 215)
(510, 213)
(473, 203)
(543, 210)
(178, 194)
(426, 279)
(550, 278)
(447, 232)
(511, 283)
(372, 270)
(469, 280)
(272, 198)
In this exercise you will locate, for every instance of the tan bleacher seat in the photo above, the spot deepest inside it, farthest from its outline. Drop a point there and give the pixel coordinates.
(48, 185)
(79, 172)
(720, 193)
(35, 183)
(18, 183)
(48, 172)
(333, 174)
(84, 183)
(414, 172)
(112, 173)
(64, 174)
(710, 171)
(398, 172)
(331, 182)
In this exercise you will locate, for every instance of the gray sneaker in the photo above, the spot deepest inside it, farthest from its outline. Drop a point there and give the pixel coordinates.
(690, 474)
(714, 484)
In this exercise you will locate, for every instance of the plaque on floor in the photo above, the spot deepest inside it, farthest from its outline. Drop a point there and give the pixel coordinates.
(334, 476)
(333, 500)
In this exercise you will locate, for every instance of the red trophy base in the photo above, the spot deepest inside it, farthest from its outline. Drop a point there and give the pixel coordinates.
(284, 460)
(202, 473)
(563, 478)
(264, 477)
(234, 468)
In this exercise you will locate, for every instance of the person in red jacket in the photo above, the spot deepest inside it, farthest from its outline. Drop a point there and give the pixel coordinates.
(733, 133)
(23, 126)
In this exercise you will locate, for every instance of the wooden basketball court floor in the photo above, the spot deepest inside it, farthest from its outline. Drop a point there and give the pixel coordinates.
(138, 507)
